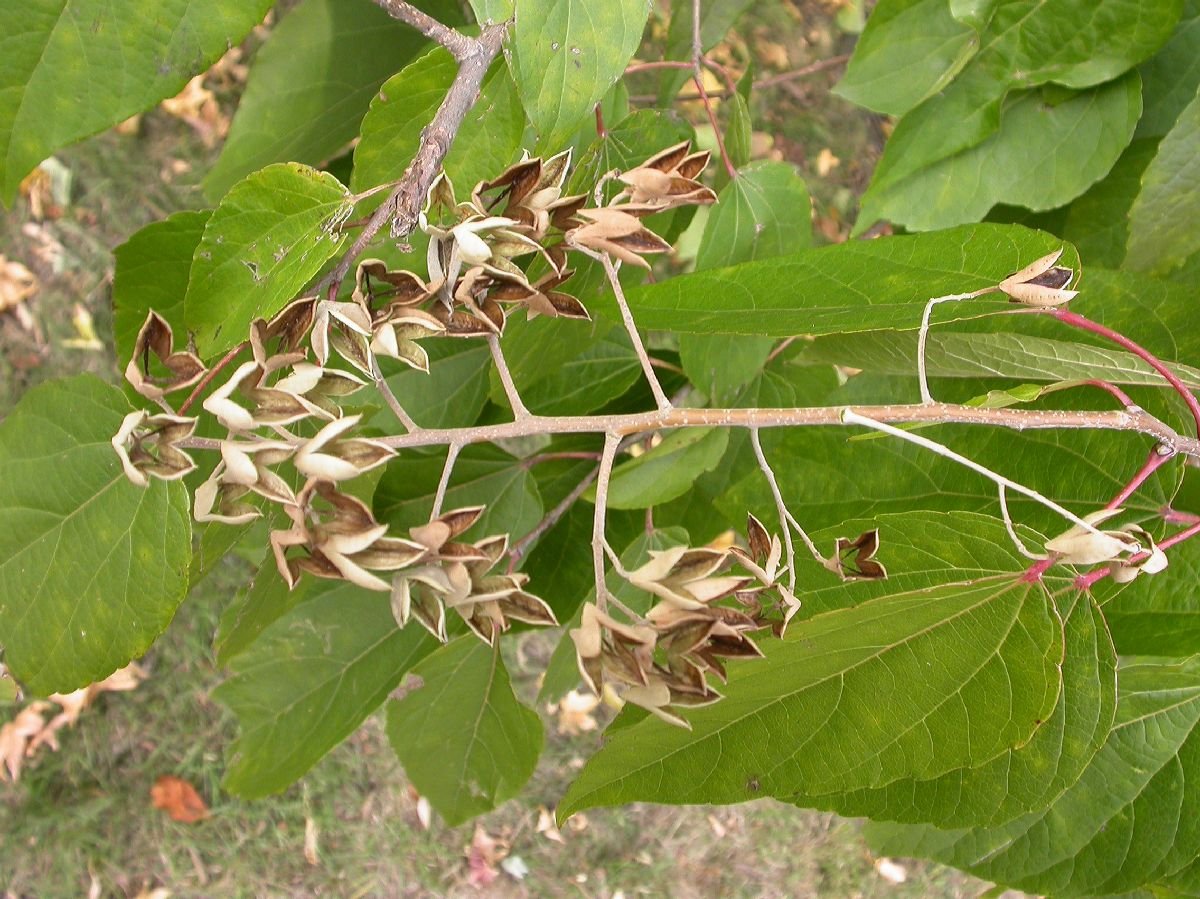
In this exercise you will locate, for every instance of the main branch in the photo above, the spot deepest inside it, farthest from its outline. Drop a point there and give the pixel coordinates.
(404, 203)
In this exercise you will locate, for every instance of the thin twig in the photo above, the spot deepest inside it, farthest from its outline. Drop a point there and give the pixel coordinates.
(804, 71)
(780, 507)
(599, 544)
(209, 375)
(385, 390)
(698, 80)
(510, 387)
(447, 470)
(851, 417)
(550, 520)
(923, 334)
(1012, 530)
(660, 396)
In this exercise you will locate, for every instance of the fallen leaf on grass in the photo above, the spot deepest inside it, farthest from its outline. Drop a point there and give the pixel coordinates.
(483, 855)
(179, 799)
(85, 329)
(25, 734)
(16, 734)
(310, 842)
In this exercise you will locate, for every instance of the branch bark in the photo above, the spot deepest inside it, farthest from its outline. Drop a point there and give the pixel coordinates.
(404, 203)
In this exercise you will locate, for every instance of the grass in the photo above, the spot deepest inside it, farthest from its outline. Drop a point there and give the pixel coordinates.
(81, 819)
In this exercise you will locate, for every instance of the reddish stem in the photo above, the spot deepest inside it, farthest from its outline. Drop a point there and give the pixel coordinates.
(1078, 321)
(1122, 397)
(712, 118)
(212, 373)
(1153, 462)
(1085, 581)
(1170, 516)
(1034, 572)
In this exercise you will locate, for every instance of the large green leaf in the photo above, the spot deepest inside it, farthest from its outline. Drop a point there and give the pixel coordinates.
(70, 68)
(310, 85)
(566, 54)
(764, 212)
(1162, 222)
(466, 742)
(666, 471)
(909, 685)
(151, 272)
(92, 567)
(595, 377)
(1133, 817)
(1004, 354)
(1170, 77)
(920, 549)
(1025, 44)
(909, 50)
(855, 286)
(309, 680)
(1041, 156)
(1024, 779)
(268, 237)
(265, 600)
(451, 395)
(483, 475)
(391, 132)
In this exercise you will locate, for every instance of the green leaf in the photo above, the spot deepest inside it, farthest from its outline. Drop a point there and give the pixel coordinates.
(909, 685)
(910, 50)
(1130, 819)
(266, 600)
(466, 742)
(722, 364)
(1160, 615)
(483, 475)
(764, 212)
(921, 549)
(1027, 778)
(1162, 232)
(92, 567)
(1098, 221)
(854, 286)
(1002, 354)
(391, 132)
(151, 272)
(666, 471)
(309, 680)
(589, 381)
(310, 84)
(739, 132)
(453, 393)
(1040, 157)
(268, 237)
(1025, 44)
(566, 54)
(1170, 77)
(71, 68)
